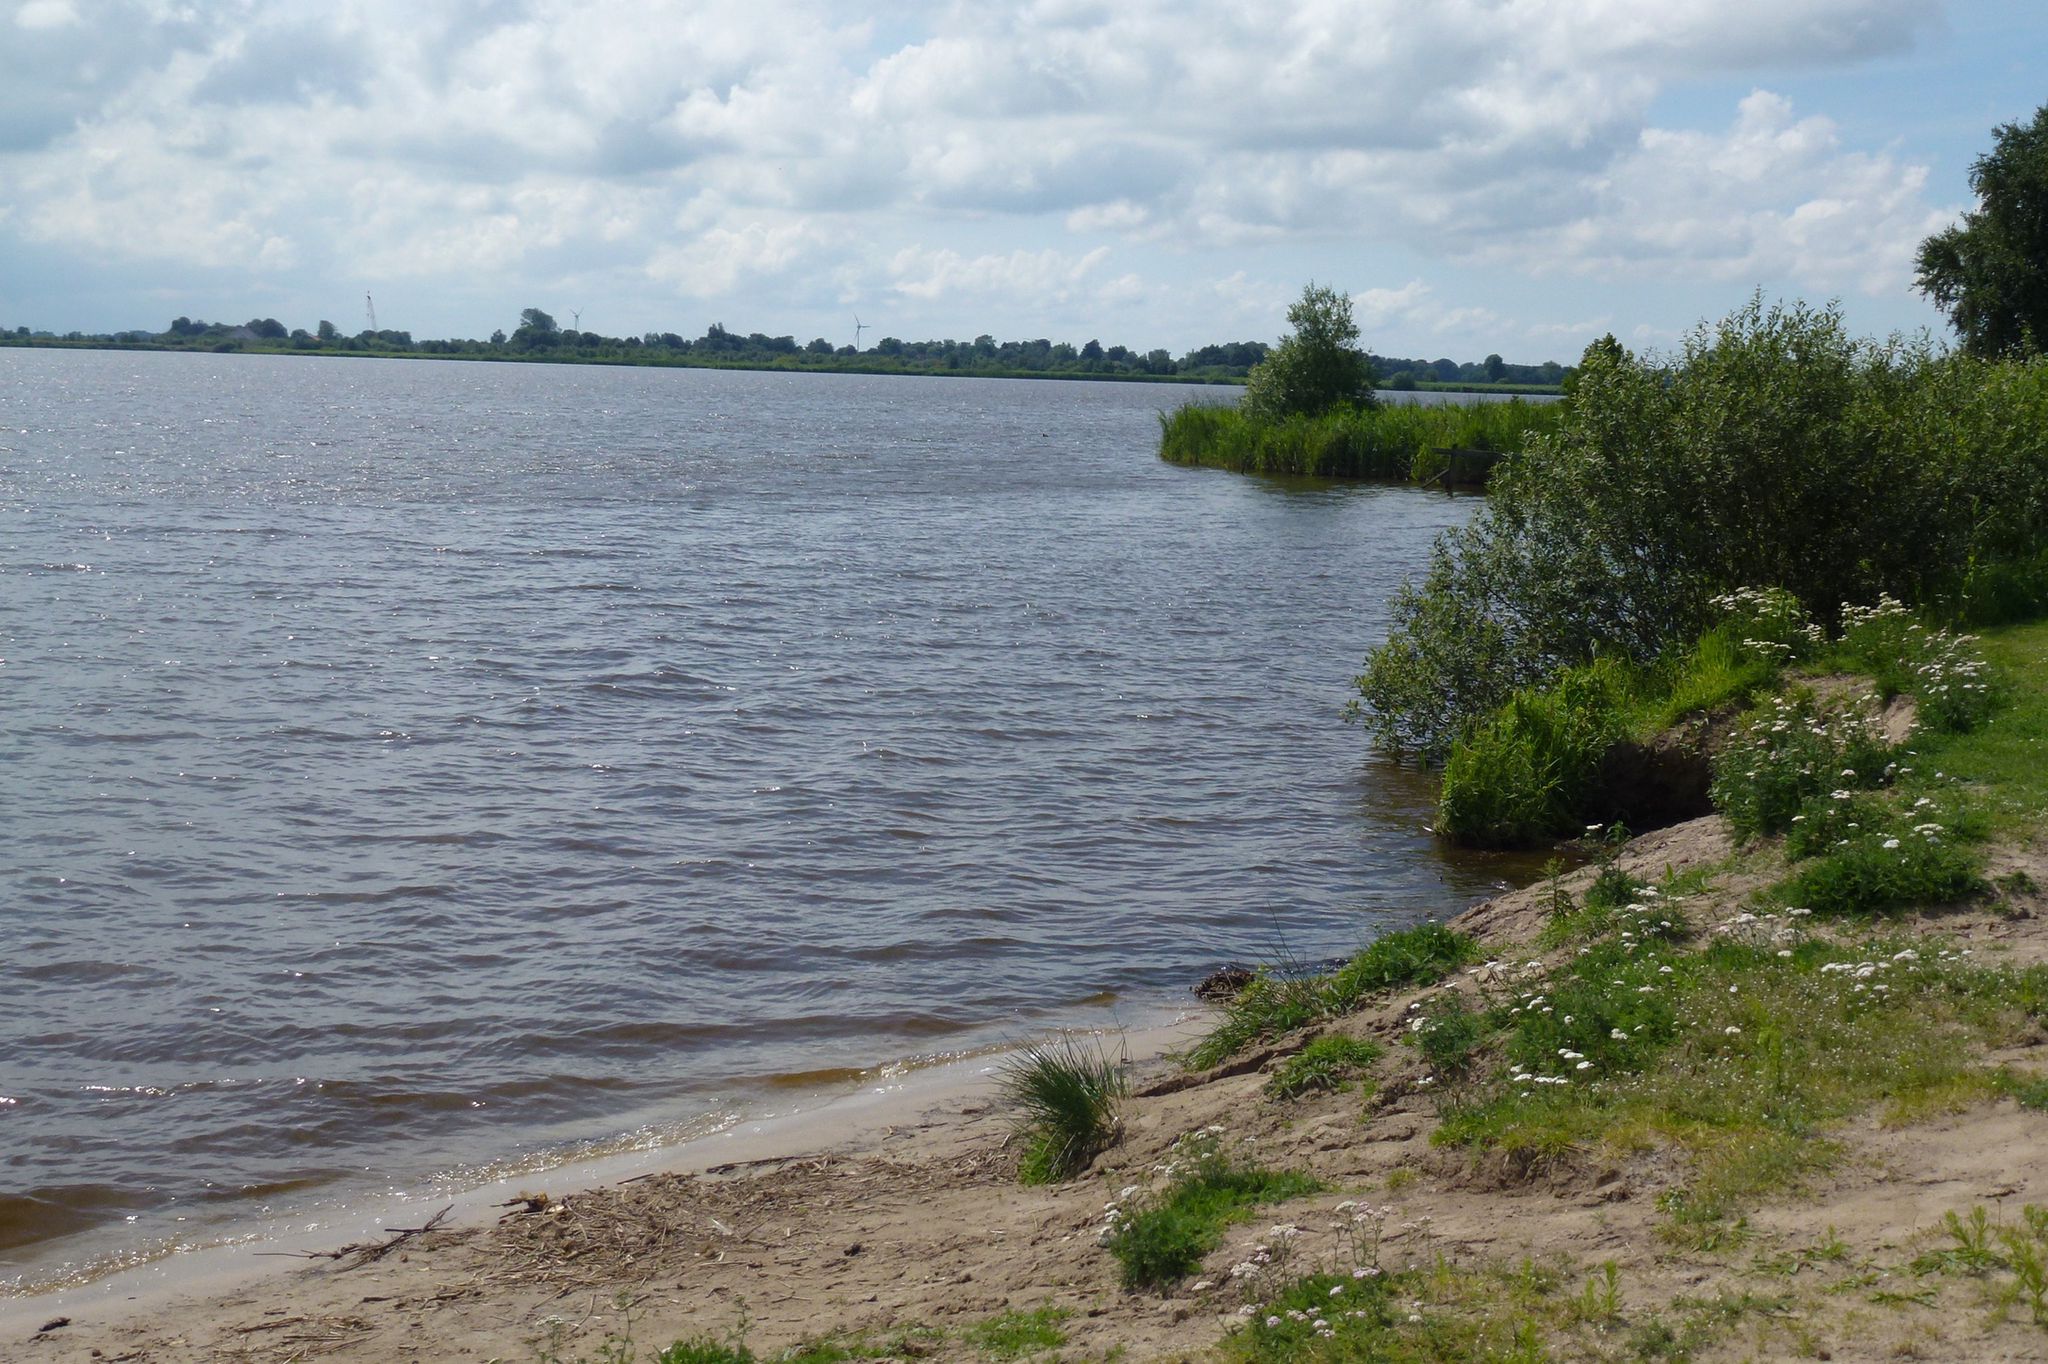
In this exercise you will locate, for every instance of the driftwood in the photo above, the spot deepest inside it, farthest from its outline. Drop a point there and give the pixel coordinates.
(360, 1253)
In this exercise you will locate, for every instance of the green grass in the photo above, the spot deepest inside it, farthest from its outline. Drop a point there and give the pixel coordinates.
(1325, 1064)
(1066, 1095)
(1273, 1005)
(1162, 1239)
(2005, 760)
(1421, 955)
(704, 1350)
(1015, 1334)
(1449, 1313)
(1738, 1056)
(1008, 1335)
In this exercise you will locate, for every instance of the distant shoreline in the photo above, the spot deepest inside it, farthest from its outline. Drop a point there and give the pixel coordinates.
(818, 366)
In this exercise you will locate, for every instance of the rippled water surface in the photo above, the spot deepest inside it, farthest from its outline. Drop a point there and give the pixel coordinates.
(409, 765)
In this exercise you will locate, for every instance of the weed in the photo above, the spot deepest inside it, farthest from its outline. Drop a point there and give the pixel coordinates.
(704, 1350)
(1014, 1334)
(1970, 1251)
(1942, 671)
(1600, 1299)
(1324, 1064)
(1448, 1032)
(1067, 1095)
(1421, 955)
(1160, 1238)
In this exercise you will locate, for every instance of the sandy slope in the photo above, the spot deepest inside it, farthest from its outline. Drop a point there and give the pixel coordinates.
(925, 1224)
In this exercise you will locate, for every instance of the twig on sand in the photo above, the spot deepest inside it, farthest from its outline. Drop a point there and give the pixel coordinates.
(360, 1253)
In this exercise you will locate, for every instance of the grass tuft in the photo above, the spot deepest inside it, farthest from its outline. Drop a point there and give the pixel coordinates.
(1067, 1095)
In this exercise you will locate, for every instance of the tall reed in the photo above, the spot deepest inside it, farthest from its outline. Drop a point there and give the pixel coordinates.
(1393, 441)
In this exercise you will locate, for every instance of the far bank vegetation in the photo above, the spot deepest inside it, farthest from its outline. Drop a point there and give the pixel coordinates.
(1309, 410)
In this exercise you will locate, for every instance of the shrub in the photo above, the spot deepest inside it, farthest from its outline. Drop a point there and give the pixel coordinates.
(1881, 868)
(1773, 450)
(1067, 1096)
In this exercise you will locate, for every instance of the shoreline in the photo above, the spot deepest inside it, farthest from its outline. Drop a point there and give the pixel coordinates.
(829, 1117)
(891, 1222)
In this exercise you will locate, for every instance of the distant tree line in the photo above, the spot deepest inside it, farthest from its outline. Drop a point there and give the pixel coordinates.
(538, 336)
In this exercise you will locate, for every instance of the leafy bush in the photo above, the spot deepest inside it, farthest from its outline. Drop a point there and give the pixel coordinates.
(1067, 1096)
(1773, 451)
(1324, 1064)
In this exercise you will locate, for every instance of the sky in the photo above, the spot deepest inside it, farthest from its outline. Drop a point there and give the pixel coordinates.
(1510, 176)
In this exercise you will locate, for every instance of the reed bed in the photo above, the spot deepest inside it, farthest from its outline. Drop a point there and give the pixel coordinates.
(1394, 441)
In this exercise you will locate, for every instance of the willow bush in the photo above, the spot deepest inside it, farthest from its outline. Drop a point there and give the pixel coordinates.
(1775, 450)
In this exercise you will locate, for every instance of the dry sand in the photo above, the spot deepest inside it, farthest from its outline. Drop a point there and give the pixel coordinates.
(914, 1217)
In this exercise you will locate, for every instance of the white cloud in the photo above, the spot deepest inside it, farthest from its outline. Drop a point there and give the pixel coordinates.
(1051, 275)
(1772, 197)
(37, 15)
(951, 155)
(718, 261)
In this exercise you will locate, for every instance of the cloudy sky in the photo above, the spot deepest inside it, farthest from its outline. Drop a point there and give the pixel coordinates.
(1482, 175)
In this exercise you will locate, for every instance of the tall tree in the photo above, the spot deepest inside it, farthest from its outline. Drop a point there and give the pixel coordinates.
(1990, 273)
(1317, 368)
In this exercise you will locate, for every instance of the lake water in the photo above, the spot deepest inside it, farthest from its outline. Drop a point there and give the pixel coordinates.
(409, 768)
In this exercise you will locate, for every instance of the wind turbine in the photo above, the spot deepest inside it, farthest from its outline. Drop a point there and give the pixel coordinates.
(858, 328)
(576, 319)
